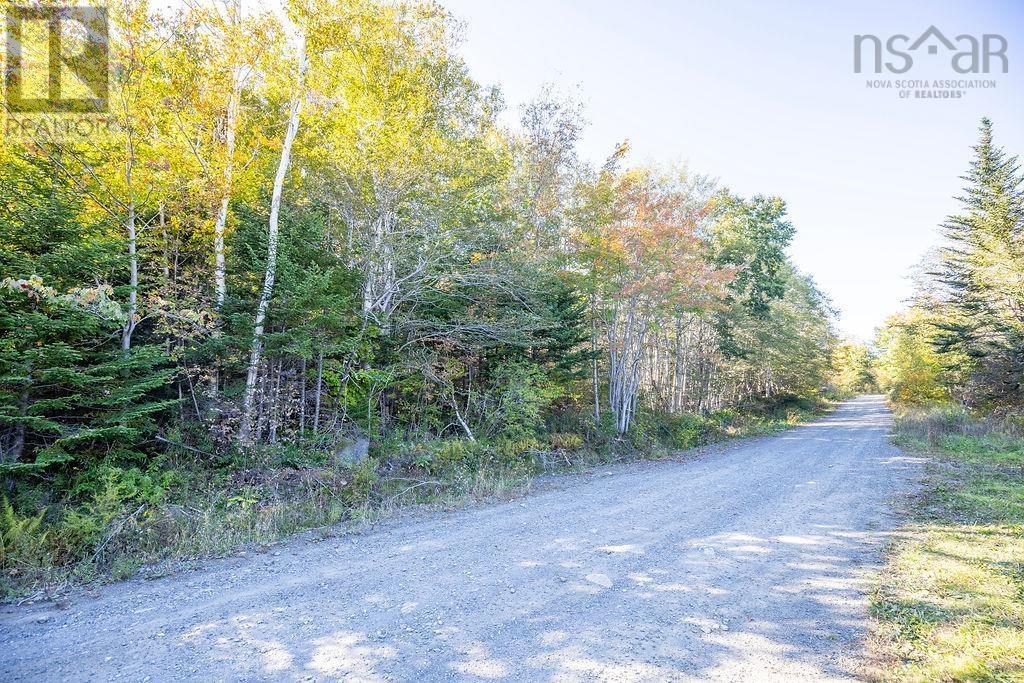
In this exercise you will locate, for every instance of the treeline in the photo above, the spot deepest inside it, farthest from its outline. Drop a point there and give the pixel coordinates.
(296, 245)
(962, 339)
(952, 363)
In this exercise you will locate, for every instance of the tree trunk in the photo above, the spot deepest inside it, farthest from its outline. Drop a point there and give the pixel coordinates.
(275, 401)
(272, 236)
(594, 361)
(133, 279)
(380, 286)
(230, 127)
(302, 400)
(319, 389)
(19, 429)
(458, 416)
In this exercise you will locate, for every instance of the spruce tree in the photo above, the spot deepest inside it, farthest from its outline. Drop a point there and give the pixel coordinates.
(982, 335)
(68, 393)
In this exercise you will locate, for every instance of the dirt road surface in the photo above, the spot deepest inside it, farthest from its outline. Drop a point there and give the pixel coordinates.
(744, 562)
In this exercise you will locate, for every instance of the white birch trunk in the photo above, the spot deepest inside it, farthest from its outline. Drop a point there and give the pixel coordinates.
(272, 237)
(380, 287)
(133, 279)
(230, 128)
(627, 333)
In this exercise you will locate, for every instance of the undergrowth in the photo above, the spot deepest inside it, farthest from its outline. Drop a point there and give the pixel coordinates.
(184, 506)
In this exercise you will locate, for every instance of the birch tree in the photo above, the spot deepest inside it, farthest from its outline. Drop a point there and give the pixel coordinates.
(256, 350)
(217, 56)
(648, 258)
(546, 167)
(400, 162)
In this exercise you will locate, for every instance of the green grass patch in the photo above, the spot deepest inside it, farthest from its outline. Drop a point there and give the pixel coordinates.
(950, 604)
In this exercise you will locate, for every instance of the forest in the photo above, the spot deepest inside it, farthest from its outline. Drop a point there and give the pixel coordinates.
(300, 271)
(305, 270)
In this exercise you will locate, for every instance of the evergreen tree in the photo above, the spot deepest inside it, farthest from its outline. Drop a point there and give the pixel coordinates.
(562, 344)
(983, 271)
(67, 390)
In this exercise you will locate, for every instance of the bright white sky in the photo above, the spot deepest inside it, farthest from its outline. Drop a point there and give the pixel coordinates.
(762, 96)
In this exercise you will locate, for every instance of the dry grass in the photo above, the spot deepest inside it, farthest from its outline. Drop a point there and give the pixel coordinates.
(950, 605)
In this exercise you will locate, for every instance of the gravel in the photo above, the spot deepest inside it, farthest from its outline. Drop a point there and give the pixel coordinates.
(748, 561)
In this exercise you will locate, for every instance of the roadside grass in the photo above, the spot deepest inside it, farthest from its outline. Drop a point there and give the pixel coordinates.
(252, 502)
(950, 605)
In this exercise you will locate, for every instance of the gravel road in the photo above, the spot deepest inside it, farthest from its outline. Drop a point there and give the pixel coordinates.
(749, 561)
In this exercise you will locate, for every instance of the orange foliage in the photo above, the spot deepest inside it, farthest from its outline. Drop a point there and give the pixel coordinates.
(651, 250)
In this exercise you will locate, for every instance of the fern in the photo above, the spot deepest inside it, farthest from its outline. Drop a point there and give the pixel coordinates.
(23, 542)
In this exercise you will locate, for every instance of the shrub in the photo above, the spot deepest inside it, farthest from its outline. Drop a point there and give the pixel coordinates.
(565, 441)
(24, 543)
(513, 453)
(79, 530)
(452, 455)
(301, 456)
(678, 431)
(933, 422)
(364, 481)
(524, 395)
